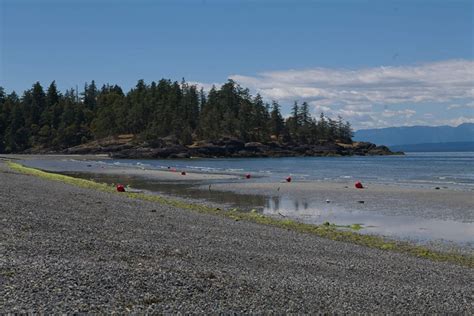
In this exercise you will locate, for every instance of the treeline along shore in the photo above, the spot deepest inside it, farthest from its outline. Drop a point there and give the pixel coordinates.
(168, 119)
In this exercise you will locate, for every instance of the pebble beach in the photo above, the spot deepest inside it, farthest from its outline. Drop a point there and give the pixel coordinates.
(70, 249)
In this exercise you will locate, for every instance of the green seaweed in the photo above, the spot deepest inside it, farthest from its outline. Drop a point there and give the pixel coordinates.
(351, 226)
(325, 230)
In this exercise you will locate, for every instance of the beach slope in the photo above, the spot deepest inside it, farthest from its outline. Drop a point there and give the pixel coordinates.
(70, 249)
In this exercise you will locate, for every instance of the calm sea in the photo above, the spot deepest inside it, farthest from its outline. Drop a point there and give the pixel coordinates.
(452, 169)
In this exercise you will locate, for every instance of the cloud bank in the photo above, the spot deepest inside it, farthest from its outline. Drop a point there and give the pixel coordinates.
(424, 94)
(363, 96)
(440, 82)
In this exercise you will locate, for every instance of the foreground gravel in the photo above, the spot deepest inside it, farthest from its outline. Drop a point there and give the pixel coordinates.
(67, 249)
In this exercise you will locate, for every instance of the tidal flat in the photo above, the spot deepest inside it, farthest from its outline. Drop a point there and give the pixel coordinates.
(437, 215)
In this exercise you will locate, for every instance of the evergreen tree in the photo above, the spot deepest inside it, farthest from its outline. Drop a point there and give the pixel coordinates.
(90, 95)
(294, 122)
(210, 117)
(108, 120)
(322, 127)
(277, 124)
(202, 100)
(52, 120)
(304, 131)
(4, 117)
(49, 117)
(138, 114)
(38, 103)
(347, 132)
(260, 119)
(16, 134)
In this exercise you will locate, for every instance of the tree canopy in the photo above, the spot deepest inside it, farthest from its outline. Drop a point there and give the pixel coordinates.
(54, 120)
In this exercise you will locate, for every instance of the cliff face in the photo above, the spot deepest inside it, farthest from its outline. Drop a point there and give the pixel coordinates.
(125, 147)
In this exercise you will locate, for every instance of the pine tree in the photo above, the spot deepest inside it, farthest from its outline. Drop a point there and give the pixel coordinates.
(90, 95)
(151, 112)
(322, 127)
(304, 133)
(294, 122)
(277, 124)
(332, 129)
(4, 117)
(38, 102)
(202, 100)
(16, 134)
(138, 114)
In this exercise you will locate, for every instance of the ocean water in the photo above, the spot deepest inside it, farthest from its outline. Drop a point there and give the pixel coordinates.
(449, 169)
(417, 220)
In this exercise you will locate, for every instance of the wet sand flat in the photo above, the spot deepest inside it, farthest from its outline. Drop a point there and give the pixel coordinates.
(386, 199)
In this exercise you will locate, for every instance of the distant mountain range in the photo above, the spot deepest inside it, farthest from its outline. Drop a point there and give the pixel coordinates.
(421, 138)
(451, 146)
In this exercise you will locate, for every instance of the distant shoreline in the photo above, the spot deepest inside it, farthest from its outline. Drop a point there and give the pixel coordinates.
(128, 147)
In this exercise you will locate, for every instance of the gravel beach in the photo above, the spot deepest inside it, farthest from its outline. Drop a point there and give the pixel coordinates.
(69, 249)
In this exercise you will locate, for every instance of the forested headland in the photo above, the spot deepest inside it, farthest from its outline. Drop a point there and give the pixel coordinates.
(161, 115)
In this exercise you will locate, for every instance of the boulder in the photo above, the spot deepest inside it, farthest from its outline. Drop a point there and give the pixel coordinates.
(180, 155)
(170, 151)
(255, 146)
(379, 151)
(210, 150)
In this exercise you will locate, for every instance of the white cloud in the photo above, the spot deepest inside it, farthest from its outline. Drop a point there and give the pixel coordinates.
(205, 86)
(405, 113)
(433, 82)
(353, 93)
(469, 105)
(319, 107)
(359, 94)
(456, 121)
(360, 107)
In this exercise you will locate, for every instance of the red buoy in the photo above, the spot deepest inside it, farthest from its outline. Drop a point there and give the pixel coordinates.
(288, 179)
(183, 173)
(358, 185)
(120, 188)
(248, 176)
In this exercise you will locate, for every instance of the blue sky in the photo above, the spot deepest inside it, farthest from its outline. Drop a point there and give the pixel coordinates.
(376, 63)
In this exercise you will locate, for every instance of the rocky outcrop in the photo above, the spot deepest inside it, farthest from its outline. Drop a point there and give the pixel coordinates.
(126, 147)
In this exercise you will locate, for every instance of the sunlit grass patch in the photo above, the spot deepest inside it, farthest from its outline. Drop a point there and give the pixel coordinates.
(344, 233)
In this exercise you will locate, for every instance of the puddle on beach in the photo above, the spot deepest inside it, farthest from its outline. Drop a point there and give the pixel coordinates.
(447, 233)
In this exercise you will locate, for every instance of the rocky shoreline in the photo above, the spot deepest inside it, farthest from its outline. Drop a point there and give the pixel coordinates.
(123, 147)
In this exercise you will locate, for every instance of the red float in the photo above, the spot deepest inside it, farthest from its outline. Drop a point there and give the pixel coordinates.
(358, 185)
(120, 188)
(288, 179)
(183, 173)
(248, 176)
